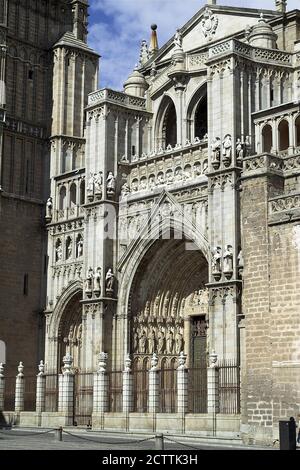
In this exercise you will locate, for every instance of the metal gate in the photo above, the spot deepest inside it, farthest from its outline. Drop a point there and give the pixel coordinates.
(83, 398)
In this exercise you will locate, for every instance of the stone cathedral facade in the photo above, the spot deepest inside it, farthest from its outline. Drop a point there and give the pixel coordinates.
(172, 216)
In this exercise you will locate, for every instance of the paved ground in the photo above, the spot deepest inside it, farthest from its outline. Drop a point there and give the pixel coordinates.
(37, 439)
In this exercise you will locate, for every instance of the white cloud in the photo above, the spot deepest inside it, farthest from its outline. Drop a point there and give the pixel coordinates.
(126, 22)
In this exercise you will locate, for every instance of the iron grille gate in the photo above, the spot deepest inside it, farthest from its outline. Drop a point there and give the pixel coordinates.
(83, 398)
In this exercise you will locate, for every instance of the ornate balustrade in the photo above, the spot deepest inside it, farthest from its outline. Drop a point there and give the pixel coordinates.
(116, 97)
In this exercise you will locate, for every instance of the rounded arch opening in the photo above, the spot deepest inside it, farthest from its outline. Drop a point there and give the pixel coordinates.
(267, 138)
(62, 198)
(73, 198)
(197, 114)
(70, 332)
(283, 131)
(168, 286)
(166, 128)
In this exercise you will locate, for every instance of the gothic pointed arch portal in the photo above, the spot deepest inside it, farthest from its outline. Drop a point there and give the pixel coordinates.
(168, 297)
(70, 332)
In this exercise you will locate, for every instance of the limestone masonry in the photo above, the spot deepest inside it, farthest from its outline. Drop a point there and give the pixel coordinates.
(150, 237)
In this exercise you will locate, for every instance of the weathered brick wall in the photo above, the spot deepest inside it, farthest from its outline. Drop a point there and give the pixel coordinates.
(271, 300)
(285, 319)
(256, 304)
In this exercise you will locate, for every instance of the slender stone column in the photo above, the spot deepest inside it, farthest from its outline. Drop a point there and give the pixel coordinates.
(100, 404)
(127, 387)
(153, 404)
(182, 385)
(41, 389)
(66, 387)
(2, 386)
(20, 389)
(213, 405)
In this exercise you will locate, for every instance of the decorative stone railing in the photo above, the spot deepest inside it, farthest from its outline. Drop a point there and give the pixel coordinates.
(284, 203)
(255, 53)
(261, 163)
(176, 168)
(116, 97)
(197, 61)
(66, 214)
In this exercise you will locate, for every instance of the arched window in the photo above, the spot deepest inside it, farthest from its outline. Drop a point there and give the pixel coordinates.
(297, 133)
(166, 124)
(73, 190)
(201, 118)
(62, 198)
(69, 248)
(170, 126)
(283, 131)
(267, 138)
(82, 192)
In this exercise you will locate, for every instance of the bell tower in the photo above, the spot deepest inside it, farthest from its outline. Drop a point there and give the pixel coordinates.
(80, 15)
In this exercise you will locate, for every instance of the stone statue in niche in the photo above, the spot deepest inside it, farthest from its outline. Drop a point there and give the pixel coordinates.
(143, 343)
(151, 342)
(49, 207)
(179, 343)
(161, 343)
(98, 181)
(89, 280)
(58, 252)
(79, 248)
(90, 187)
(110, 185)
(239, 150)
(97, 281)
(125, 190)
(216, 262)
(216, 152)
(109, 282)
(227, 150)
(135, 342)
(247, 146)
(228, 262)
(69, 249)
(169, 342)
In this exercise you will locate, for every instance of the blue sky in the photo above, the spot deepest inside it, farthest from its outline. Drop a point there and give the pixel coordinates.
(117, 27)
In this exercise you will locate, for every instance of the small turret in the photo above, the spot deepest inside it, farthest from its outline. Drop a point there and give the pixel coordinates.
(80, 14)
(136, 84)
(281, 5)
(262, 35)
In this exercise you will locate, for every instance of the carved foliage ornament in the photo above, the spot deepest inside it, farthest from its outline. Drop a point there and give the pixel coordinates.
(209, 24)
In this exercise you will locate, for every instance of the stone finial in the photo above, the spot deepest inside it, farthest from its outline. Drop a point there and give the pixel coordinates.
(281, 5)
(68, 361)
(127, 363)
(154, 361)
(1, 369)
(211, 2)
(144, 53)
(102, 363)
(41, 368)
(182, 360)
(213, 358)
(153, 42)
(20, 369)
